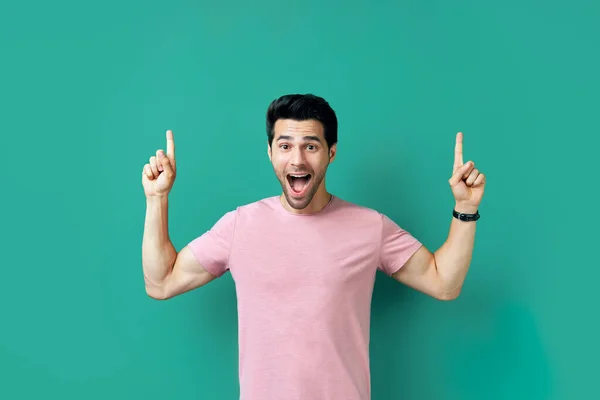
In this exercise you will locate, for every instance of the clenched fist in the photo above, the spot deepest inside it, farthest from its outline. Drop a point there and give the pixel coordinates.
(159, 174)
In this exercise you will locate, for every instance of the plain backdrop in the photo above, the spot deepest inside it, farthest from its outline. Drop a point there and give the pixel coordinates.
(89, 89)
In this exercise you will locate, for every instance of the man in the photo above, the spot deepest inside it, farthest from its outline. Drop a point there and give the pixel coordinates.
(304, 262)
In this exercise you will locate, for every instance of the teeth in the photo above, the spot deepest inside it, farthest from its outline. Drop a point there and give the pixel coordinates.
(299, 176)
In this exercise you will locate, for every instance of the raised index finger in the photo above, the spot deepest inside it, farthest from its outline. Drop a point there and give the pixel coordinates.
(170, 145)
(458, 151)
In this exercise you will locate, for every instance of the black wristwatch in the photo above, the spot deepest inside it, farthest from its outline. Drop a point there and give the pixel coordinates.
(466, 217)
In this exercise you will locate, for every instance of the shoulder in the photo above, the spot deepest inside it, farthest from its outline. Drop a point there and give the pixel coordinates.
(253, 211)
(356, 212)
(263, 205)
(367, 216)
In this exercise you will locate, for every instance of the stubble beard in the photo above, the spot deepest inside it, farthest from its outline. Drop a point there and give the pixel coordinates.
(301, 203)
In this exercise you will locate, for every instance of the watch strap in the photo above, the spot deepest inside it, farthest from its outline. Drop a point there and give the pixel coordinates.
(465, 217)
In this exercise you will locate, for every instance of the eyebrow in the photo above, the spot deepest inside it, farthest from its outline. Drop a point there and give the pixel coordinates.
(306, 138)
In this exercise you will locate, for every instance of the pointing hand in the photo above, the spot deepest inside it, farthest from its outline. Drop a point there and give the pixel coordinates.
(467, 183)
(158, 175)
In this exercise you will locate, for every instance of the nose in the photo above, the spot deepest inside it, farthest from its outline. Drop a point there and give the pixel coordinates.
(297, 157)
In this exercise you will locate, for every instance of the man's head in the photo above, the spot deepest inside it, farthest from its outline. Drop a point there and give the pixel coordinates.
(302, 141)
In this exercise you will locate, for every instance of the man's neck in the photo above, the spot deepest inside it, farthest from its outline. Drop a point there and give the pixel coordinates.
(319, 202)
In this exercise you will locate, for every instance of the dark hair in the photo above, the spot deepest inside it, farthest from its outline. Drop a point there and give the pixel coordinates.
(302, 107)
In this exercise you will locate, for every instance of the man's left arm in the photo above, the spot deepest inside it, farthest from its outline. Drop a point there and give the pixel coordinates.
(441, 274)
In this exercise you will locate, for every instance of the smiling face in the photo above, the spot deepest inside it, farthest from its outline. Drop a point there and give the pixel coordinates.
(300, 158)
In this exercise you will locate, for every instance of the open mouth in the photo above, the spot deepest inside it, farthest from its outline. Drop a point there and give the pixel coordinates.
(298, 183)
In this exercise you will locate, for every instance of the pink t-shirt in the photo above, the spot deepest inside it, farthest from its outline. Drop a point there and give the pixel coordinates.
(304, 284)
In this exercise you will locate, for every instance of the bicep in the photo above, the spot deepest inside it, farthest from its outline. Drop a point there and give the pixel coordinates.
(187, 274)
(420, 273)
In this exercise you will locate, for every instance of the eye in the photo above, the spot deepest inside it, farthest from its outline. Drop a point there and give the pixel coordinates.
(311, 147)
(283, 146)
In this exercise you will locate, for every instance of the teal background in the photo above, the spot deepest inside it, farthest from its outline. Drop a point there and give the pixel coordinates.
(89, 89)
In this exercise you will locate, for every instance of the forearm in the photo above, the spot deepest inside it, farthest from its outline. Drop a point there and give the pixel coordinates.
(454, 256)
(158, 252)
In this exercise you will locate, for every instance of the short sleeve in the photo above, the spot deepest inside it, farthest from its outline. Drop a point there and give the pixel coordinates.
(213, 247)
(396, 247)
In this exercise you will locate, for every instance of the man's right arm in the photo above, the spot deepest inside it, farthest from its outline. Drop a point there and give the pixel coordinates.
(167, 273)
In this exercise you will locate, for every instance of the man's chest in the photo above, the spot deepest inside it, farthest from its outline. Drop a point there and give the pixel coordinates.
(288, 259)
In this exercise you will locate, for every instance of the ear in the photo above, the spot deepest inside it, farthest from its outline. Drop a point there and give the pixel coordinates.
(269, 151)
(332, 152)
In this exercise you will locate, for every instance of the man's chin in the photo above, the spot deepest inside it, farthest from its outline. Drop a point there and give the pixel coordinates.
(298, 203)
